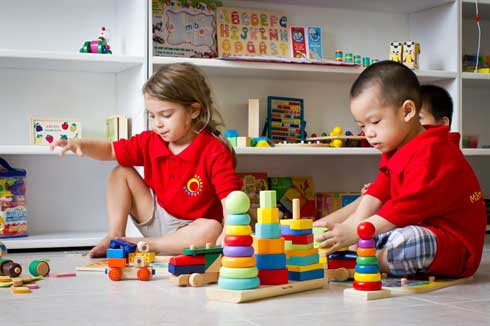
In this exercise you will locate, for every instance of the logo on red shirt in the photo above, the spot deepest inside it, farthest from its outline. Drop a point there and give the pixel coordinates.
(193, 187)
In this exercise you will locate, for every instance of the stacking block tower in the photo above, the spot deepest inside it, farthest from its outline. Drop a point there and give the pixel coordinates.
(239, 270)
(302, 258)
(268, 244)
(367, 278)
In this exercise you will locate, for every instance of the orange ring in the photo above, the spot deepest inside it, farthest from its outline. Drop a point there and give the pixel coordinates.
(238, 262)
(366, 252)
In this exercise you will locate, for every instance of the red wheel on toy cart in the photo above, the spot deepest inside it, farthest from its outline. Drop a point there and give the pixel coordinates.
(115, 274)
(144, 274)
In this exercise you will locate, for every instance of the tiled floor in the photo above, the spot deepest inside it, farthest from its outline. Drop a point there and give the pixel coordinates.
(91, 299)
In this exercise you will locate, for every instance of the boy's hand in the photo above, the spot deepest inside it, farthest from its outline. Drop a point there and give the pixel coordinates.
(67, 145)
(339, 236)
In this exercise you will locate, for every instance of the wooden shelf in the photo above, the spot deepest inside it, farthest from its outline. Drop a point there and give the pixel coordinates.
(397, 6)
(59, 61)
(293, 71)
(55, 240)
(282, 150)
(28, 150)
(476, 151)
(477, 80)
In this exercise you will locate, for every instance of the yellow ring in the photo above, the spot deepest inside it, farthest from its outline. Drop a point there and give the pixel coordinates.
(367, 277)
(238, 262)
(238, 230)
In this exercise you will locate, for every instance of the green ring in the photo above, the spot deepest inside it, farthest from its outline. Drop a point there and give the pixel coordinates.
(371, 260)
(242, 272)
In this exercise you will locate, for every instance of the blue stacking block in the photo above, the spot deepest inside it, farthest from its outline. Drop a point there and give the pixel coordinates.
(186, 269)
(304, 276)
(128, 247)
(303, 260)
(286, 230)
(267, 231)
(115, 253)
(367, 269)
(270, 261)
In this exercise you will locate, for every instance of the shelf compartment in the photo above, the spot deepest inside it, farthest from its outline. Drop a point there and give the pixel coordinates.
(294, 150)
(476, 151)
(477, 80)
(292, 71)
(60, 61)
(55, 240)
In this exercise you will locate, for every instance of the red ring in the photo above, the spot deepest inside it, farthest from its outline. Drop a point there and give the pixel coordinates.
(238, 240)
(367, 286)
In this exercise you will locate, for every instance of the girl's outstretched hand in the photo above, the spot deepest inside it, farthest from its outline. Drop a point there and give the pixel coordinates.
(72, 145)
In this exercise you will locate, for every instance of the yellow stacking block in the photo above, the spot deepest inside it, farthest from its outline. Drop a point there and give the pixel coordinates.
(376, 277)
(238, 262)
(308, 252)
(268, 215)
(269, 246)
(238, 230)
(148, 256)
(300, 224)
(297, 268)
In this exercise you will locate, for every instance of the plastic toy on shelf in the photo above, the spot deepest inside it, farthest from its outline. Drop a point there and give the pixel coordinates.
(99, 45)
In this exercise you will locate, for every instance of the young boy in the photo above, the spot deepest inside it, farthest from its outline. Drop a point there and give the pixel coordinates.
(426, 202)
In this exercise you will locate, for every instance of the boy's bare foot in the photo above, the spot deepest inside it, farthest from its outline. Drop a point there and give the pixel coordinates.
(100, 250)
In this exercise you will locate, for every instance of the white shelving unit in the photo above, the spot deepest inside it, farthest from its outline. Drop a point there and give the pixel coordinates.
(45, 75)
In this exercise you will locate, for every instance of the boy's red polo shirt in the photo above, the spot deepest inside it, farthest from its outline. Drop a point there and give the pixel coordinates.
(189, 185)
(428, 182)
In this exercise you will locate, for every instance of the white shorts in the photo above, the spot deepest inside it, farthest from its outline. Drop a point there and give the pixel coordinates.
(160, 223)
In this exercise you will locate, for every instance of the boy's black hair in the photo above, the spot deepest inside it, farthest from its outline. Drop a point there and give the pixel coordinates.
(438, 100)
(396, 83)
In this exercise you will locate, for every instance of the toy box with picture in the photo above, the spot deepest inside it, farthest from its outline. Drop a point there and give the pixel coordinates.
(184, 28)
(44, 131)
(13, 212)
(329, 202)
(289, 188)
(253, 184)
(285, 119)
(252, 32)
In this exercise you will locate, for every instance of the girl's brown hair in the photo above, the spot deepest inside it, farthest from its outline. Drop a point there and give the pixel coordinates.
(185, 84)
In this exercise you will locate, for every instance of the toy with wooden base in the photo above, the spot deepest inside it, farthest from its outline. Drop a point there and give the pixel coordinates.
(265, 291)
(196, 267)
(129, 261)
(367, 278)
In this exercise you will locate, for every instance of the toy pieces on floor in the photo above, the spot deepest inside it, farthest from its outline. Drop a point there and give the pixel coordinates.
(9, 268)
(160, 265)
(367, 278)
(196, 267)
(238, 296)
(39, 267)
(127, 260)
(403, 286)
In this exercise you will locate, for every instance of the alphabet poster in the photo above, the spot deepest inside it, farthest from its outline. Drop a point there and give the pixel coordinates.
(251, 32)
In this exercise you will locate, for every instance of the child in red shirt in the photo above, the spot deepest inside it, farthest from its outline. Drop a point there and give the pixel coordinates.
(426, 202)
(188, 166)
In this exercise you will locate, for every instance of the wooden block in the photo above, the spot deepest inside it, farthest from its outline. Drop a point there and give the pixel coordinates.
(367, 295)
(149, 257)
(308, 275)
(197, 280)
(268, 246)
(286, 230)
(343, 263)
(276, 261)
(253, 118)
(215, 293)
(268, 199)
(215, 265)
(299, 239)
(303, 260)
(202, 251)
(301, 224)
(179, 280)
(115, 253)
(297, 268)
(308, 252)
(184, 260)
(273, 276)
(288, 245)
(20, 289)
(268, 215)
(267, 231)
(116, 262)
(243, 142)
(185, 269)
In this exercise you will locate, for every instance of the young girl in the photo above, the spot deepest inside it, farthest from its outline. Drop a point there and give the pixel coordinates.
(188, 166)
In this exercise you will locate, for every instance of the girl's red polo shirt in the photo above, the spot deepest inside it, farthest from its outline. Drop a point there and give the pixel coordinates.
(428, 182)
(189, 185)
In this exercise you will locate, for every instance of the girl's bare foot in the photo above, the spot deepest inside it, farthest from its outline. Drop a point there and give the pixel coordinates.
(100, 250)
